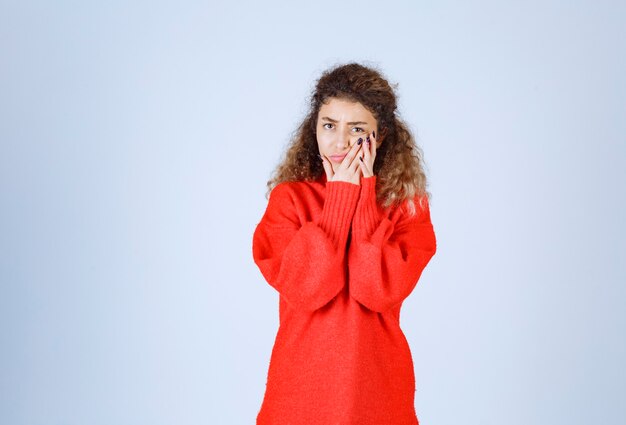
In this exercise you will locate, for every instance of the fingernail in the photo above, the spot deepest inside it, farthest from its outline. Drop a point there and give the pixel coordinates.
(361, 158)
(368, 139)
(374, 133)
(359, 141)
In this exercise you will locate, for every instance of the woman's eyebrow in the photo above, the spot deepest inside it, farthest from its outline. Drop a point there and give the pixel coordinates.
(350, 123)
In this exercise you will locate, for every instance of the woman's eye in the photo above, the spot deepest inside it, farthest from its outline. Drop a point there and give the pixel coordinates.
(358, 129)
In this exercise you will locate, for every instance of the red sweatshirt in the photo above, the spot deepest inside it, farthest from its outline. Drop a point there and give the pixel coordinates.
(342, 266)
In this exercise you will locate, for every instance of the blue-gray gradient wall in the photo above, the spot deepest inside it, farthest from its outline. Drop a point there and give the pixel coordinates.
(136, 139)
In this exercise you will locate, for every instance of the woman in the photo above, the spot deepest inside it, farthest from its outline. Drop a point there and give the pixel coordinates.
(344, 240)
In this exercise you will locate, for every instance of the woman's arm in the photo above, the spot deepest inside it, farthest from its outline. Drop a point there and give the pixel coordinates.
(305, 262)
(385, 260)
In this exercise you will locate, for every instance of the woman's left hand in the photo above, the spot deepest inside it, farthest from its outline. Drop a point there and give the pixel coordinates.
(369, 155)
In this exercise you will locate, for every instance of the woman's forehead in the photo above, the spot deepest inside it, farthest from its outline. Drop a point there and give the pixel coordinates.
(345, 110)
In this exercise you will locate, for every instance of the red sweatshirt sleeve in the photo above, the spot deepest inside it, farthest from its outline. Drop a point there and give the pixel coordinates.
(385, 260)
(305, 261)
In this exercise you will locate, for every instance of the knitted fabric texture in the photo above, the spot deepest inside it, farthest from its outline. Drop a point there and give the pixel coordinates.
(342, 266)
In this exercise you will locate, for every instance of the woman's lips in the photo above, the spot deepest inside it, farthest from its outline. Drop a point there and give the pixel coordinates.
(337, 158)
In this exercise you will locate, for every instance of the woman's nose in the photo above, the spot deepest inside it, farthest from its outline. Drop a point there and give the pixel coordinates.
(343, 141)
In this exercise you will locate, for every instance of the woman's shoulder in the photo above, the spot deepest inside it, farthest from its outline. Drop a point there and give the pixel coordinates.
(411, 210)
(297, 188)
(293, 201)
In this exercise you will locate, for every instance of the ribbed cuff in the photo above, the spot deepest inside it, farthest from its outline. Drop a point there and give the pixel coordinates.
(339, 207)
(367, 215)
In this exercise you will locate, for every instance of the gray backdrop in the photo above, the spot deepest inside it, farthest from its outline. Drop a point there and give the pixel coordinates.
(136, 141)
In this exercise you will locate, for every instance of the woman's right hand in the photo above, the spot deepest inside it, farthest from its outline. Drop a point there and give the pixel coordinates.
(349, 170)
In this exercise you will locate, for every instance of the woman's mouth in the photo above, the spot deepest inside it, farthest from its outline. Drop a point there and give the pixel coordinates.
(337, 158)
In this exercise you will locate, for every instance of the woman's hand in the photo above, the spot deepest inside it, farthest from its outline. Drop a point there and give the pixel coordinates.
(368, 155)
(349, 170)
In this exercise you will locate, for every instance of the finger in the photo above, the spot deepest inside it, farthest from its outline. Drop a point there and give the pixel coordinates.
(365, 169)
(368, 158)
(328, 169)
(367, 152)
(357, 160)
(374, 143)
(368, 161)
(352, 154)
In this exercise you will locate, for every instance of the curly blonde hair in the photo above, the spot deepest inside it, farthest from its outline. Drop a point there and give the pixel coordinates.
(399, 161)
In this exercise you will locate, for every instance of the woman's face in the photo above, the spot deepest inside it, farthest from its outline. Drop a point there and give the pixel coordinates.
(340, 123)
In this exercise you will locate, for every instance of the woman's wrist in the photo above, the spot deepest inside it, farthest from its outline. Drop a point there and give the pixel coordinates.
(367, 214)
